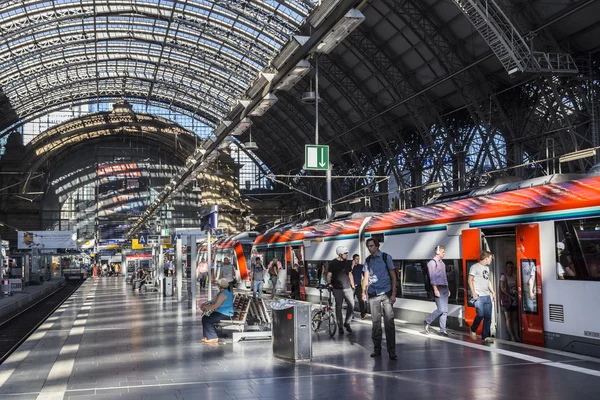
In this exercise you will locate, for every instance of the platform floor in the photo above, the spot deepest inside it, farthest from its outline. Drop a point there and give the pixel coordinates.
(107, 342)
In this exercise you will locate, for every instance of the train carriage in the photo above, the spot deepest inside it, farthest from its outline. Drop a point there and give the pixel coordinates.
(519, 222)
(238, 249)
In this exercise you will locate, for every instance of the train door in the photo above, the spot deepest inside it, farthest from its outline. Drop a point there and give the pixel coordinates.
(298, 258)
(529, 278)
(501, 243)
(470, 249)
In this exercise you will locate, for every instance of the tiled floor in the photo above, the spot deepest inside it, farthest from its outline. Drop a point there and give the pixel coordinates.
(108, 342)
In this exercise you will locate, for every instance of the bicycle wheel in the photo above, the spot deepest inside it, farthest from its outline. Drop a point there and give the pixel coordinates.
(332, 325)
(316, 319)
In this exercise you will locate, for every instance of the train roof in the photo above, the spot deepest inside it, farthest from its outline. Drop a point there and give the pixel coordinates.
(243, 237)
(344, 227)
(573, 194)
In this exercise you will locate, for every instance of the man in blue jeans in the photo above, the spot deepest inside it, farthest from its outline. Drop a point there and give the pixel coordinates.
(380, 275)
(483, 294)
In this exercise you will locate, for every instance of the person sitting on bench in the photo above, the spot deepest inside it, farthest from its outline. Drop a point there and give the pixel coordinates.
(220, 308)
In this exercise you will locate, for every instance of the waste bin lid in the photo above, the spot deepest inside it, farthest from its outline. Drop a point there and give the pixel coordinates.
(284, 303)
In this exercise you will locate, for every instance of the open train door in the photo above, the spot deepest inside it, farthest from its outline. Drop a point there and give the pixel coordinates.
(529, 281)
(471, 249)
(298, 258)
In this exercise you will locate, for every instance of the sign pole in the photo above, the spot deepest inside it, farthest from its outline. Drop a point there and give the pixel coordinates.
(316, 98)
(192, 243)
(209, 256)
(179, 272)
(329, 206)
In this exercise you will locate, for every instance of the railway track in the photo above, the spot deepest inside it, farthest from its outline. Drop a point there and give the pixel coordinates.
(17, 327)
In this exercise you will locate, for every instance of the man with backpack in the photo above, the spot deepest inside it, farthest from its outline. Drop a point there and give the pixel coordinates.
(273, 269)
(340, 279)
(439, 283)
(380, 275)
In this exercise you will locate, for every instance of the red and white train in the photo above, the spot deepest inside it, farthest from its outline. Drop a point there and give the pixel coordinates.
(519, 222)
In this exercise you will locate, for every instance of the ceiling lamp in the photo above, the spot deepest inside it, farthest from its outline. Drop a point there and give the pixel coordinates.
(221, 127)
(264, 77)
(294, 76)
(577, 155)
(340, 31)
(288, 50)
(264, 105)
(241, 126)
(250, 145)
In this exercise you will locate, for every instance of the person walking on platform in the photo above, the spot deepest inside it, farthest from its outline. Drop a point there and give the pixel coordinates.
(381, 290)
(227, 273)
(222, 308)
(203, 272)
(258, 276)
(483, 295)
(439, 282)
(274, 268)
(357, 273)
(295, 282)
(341, 280)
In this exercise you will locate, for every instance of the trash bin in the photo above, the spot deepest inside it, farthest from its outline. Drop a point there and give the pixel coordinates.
(168, 286)
(292, 335)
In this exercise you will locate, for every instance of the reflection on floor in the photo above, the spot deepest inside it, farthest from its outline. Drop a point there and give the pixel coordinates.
(108, 342)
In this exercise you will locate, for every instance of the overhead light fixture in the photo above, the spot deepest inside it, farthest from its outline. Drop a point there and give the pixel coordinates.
(240, 106)
(225, 143)
(433, 186)
(221, 127)
(340, 31)
(264, 105)
(288, 50)
(320, 13)
(294, 76)
(264, 78)
(576, 155)
(207, 143)
(196, 188)
(241, 126)
(190, 162)
(250, 145)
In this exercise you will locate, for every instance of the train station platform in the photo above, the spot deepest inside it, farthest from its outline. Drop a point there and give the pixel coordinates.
(27, 295)
(107, 342)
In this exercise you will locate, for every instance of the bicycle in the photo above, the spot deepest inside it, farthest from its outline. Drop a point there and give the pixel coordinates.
(324, 314)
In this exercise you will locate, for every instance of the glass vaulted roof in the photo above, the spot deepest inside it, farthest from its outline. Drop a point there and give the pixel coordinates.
(193, 55)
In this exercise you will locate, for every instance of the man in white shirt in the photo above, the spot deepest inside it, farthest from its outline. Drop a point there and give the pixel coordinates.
(227, 273)
(483, 294)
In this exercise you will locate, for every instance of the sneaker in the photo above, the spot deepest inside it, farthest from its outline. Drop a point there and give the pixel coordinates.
(347, 326)
(473, 335)
(445, 334)
(341, 331)
(364, 316)
(375, 354)
(488, 340)
(393, 356)
(426, 327)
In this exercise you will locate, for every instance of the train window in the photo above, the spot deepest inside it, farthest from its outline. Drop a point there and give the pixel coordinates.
(413, 280)
(578, 249)
(268, 254)
(315, 272)
(529, 285)
(454, 273)
(247, 248)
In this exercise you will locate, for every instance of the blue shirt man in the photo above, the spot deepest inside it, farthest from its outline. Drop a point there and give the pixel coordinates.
(380, 274)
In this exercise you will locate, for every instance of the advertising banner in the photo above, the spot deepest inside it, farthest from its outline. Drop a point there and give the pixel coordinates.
(46, 239)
